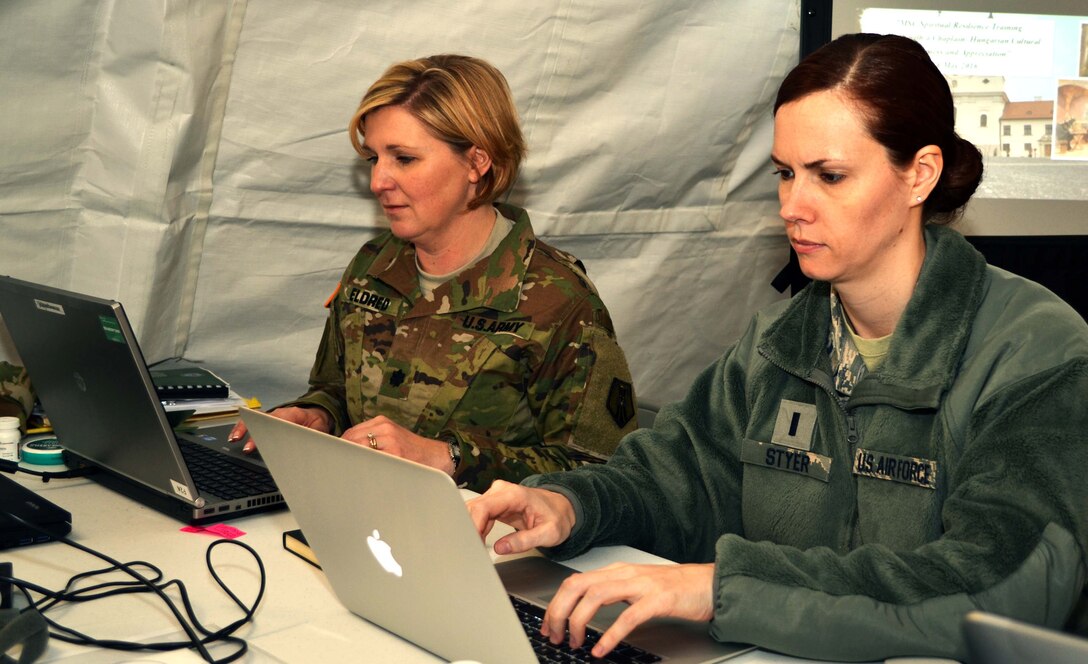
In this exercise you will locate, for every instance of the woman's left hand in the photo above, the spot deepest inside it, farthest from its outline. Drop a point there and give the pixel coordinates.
(382, 433)
(678, 591)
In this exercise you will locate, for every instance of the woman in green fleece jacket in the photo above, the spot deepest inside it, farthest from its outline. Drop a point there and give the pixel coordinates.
(902, 442)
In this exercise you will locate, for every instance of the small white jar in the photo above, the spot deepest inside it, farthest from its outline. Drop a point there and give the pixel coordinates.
(9, 438)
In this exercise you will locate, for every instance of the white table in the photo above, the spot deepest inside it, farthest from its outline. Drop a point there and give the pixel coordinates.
(299, 619)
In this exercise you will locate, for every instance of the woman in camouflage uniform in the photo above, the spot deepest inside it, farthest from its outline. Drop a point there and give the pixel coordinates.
(457, 338)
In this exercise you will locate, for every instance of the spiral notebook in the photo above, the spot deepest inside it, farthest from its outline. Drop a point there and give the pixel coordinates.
(176, 379)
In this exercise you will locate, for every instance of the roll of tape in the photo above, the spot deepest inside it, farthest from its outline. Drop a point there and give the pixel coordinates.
(42, 451)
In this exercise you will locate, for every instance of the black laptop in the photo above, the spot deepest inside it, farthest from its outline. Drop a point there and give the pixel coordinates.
(88, 371)
(48, 520)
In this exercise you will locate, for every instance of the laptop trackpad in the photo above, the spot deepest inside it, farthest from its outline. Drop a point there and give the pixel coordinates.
(215, 437)
(536, 579)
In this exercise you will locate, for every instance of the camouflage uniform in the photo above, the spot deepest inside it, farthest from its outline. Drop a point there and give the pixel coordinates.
(16, 397)
(849, 364)
(514, 359)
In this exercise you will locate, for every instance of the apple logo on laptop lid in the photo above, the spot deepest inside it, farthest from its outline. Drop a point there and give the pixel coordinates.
(383, 553)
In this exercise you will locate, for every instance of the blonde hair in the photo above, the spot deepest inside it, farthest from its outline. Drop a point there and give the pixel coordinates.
(462, 101)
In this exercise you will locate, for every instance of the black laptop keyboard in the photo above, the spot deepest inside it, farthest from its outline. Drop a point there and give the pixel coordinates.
(531, 616)
(216, 474)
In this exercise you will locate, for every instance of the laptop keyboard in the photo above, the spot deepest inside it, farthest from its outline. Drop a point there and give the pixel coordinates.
(216, 474)
(531, 617)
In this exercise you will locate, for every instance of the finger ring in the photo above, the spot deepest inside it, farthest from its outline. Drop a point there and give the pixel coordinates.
(373, 440)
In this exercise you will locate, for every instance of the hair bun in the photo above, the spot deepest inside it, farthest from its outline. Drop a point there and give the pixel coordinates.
(961, 176)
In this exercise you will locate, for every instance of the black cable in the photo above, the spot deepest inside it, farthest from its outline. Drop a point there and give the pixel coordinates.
(142, 583)
(72, 636)
(8, 466)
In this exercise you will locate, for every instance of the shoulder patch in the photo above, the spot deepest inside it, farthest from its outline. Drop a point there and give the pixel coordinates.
(619, 403)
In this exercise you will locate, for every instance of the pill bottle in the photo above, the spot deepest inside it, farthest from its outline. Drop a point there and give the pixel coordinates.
(9, 438)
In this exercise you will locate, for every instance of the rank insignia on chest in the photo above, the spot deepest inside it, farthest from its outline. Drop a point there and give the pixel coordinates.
(795, 424)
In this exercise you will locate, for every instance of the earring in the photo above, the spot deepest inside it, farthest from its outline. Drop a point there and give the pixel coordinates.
(918, 198)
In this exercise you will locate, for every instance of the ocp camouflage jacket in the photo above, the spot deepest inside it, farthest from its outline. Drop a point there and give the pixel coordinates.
(16, 395)
(515, 358)
(952, 479)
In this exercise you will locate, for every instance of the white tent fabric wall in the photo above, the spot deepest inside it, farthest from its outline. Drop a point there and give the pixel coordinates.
(106, 120)
(191, 159)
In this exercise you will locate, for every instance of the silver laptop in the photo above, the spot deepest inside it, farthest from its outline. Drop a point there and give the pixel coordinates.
(86, 366)
(993, 639)
(400, 550)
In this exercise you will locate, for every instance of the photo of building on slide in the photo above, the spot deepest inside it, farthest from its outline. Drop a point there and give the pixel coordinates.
(1020, 85)
(1000, 127)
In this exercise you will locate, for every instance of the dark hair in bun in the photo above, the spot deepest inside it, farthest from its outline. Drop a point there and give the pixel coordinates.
(906, 104)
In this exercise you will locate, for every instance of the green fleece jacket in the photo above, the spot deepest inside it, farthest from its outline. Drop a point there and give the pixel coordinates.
(952, 479)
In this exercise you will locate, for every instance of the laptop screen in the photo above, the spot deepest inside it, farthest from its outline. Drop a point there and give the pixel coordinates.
(87, 369)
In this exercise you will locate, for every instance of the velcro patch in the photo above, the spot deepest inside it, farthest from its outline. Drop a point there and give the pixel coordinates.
(895, 468)
(794, 425)
(518, 328)
(368, 299)
(789, 459)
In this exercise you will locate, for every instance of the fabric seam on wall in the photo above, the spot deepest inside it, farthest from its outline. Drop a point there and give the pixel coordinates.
(219, 92)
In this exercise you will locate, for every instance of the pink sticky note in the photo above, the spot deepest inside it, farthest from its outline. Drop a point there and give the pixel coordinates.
(218, 529)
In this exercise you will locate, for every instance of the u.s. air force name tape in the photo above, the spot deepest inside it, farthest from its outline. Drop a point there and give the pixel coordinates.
(905, 469)
(788, 459)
